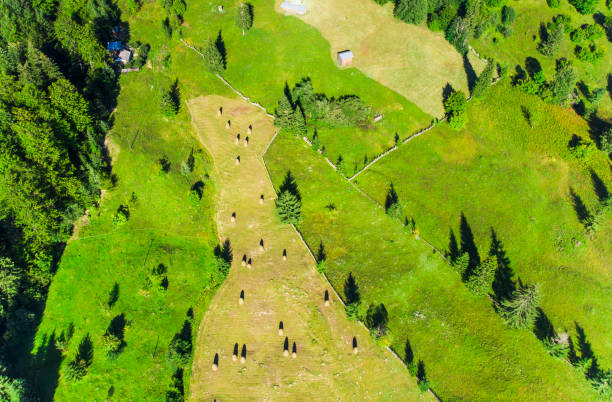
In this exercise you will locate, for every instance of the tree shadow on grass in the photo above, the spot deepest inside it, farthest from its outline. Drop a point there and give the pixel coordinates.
(582, 212)
(113, 296)
(599, 187)
(469, 72)
(503, 282)
(290, 185)
(220, 44)
(46, 363)
(468, 245)
(543, 327)
(392, 198)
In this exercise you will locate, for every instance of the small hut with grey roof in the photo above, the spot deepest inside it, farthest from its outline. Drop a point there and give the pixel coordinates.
(345, 58)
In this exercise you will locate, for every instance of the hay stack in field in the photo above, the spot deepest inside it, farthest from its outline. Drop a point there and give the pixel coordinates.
(215, 364)
(237, 138)
(228, 124)
(261, 245)
(244, 259)
(233, 219)
(220, 111)
(250, 131)
(249, 263)
(284, 254)
(355, 349)
(286, 347)
(241, 300)
(281, 328)
(238, 160)
(243, 354)
(261, 199)
(246, 141)
(294, 351)
(235, 354)
(326, 298)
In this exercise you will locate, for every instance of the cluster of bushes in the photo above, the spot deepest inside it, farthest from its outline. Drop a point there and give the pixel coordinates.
(175, 9)
(455, 105)
(534, 82)
(301, 106)
(460, 20)
(179, 355)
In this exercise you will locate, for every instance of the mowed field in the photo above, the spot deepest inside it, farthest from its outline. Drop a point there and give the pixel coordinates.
(505, 176)
(105, 280)
(275, 290)
(409, 59)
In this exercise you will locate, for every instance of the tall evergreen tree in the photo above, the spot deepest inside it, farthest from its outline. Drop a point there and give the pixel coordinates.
(289, 208)
(484, 80)
(521, 310)
(563, 82)
(552, 43)
(283, 113)
(482, 278)
(213, 57)
(244, 17)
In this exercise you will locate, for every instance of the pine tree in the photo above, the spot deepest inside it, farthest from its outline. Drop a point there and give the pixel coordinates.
(283, 113)
(521, 310)
(168, 103)
(563, 82)
(484, 80)
(298, 123)
(213, 58)
(288, 208)
(244, 18)
(411, 11)
(481, 280)
(552, 43)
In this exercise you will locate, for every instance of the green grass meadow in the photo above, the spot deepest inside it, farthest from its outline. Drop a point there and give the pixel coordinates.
(506, 176)
(467, 350)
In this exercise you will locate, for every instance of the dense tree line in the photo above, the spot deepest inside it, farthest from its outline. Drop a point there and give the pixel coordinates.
(58, 88)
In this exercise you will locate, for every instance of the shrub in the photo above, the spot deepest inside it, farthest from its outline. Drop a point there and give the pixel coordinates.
(553, 3)
(122, 215)
(322, 266)
(289, 208)
(584, 6)
(411, 11)
(376, 320)
(605, 141)
(455, 106)
(111, 343)
(590, 54)
(587, 32)
(423, 385)
(508, 15)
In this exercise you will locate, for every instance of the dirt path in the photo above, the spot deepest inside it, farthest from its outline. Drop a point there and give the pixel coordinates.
(275, 290)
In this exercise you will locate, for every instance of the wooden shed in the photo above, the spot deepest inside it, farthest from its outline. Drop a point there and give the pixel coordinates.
(345, 58)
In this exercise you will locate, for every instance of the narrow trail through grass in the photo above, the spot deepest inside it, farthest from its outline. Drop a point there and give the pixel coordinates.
(275, 290)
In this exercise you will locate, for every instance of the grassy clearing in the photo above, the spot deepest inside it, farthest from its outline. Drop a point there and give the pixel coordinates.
(467, 350)
(524, 42)
(504, 175)
(409, 59)
(164, 227)
(275, 290)
(279, 50)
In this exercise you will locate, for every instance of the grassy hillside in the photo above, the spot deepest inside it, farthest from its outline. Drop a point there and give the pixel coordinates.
(165, 227)
(517, 180)
(411, 60)
(467, 350)
(275, 290)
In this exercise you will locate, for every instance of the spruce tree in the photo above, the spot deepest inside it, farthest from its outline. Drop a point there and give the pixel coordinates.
(521, 310)
(244, 18)
(288, 208)
(411, 11)
(284, 113)
(213, 58)
(484, 80)
(481, 280)
(298, 123)
(563, 82)
(552, 43)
